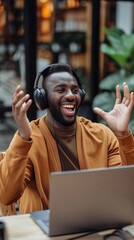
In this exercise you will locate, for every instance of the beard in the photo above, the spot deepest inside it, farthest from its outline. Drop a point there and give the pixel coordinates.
(58, 116)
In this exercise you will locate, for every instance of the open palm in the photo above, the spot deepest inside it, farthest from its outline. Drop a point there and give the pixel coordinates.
(118, 118)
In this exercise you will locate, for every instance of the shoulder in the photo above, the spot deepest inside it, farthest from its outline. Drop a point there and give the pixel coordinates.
(92, 125)
(37, 125)
(95, 129)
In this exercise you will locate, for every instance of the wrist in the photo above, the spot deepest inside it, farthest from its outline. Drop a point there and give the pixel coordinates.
(25, 137)
(122, 134)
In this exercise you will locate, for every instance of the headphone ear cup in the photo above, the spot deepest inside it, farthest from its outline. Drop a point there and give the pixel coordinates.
(82, 94)
(40, 98)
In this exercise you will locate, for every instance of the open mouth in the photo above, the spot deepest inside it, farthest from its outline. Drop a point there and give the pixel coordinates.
(68, 109)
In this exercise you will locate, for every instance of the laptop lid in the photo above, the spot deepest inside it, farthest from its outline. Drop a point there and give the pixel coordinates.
(91, 200)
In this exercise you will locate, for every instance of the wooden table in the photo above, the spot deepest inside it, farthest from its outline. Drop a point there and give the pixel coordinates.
(22, 227)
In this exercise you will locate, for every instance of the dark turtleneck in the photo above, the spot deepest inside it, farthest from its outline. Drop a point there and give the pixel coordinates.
(66, 143)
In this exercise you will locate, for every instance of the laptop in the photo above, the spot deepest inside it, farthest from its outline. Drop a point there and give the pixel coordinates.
(88, 200)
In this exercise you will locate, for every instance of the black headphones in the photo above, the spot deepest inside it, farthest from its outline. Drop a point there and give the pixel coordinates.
(40, 94)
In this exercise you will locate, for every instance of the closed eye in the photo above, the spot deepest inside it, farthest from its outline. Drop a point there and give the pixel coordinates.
(63, 89)
(75, 91)
(60, 90)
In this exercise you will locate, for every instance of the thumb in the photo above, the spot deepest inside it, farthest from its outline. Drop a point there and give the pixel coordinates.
(100, 112)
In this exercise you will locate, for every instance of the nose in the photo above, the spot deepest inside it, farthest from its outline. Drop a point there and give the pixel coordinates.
(70, 94)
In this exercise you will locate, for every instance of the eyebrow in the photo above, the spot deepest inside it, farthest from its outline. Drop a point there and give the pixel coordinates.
(64, 85)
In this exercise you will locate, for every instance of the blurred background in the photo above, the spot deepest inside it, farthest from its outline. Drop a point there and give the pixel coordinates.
(94, 37)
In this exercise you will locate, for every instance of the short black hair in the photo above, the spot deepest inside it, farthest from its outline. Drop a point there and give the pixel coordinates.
(60, 67)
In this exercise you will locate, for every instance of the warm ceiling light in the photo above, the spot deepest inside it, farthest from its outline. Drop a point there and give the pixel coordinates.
(43, 1)
(46, 10)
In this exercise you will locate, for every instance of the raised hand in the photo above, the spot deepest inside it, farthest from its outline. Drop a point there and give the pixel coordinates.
(20, 106)
(118, 118)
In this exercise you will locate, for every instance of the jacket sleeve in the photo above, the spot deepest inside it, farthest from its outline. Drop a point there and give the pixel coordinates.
(127, 149)
(15, 170)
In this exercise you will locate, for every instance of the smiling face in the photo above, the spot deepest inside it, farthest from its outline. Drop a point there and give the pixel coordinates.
(63, 97)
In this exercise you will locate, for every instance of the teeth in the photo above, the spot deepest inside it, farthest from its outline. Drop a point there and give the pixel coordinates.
(68, 106)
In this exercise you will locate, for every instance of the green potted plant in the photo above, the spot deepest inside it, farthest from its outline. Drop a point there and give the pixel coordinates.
(120, 49)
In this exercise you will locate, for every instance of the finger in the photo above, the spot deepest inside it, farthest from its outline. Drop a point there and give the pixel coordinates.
(100, 112)
(22, 100)
(17, 90)
(126, 98)
(17, 107)
(118, 95)
(17, 96)
(131, 103)
(26, 105)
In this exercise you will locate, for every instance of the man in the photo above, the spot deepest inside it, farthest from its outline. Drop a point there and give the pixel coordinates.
(60, 140)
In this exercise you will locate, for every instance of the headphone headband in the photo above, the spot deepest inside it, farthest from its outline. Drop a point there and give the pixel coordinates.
(53, 68)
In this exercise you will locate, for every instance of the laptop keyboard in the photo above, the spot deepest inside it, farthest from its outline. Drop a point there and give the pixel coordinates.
(46, 218)
(46, 221)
